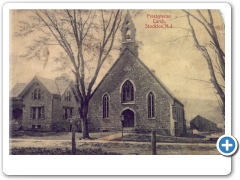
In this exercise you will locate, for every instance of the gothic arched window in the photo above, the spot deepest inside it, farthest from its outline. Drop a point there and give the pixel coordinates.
(151, 106)
(105, 106)
(127, 92)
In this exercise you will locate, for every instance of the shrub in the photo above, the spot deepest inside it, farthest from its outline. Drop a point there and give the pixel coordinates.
(60, 126)
(143, 131)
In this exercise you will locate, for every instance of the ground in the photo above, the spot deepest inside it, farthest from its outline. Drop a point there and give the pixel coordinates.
(111, 143)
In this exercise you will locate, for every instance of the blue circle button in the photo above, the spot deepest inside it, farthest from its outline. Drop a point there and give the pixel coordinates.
(227, 145)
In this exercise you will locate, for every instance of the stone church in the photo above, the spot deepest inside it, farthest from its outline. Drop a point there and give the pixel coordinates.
(131, 95)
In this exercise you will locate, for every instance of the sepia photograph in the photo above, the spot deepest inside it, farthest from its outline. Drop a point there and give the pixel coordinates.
(116, 81)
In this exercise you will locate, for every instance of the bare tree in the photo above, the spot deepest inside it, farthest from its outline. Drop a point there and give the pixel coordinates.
(212, 51)
(86, 38)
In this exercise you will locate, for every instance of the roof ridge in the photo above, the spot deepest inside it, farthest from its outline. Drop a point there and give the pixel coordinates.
(37, 78)
(114, 64)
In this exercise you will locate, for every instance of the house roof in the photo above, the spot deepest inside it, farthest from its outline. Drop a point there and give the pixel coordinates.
(62, 85)
(152, 74)
(57, 86)
(17, 89)
(49, 84)
(203, 124)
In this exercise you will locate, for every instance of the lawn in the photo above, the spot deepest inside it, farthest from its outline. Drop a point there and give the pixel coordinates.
(133, 144)
(186, 138)
(54, 135)
(114, 148)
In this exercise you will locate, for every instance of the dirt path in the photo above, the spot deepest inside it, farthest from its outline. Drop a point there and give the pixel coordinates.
(111, 137)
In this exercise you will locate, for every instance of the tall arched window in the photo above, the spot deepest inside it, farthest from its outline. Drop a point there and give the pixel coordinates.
(127, 92)
(151, 108)
(105, 106)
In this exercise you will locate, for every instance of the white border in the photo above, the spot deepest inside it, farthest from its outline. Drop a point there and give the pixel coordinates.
(114, 165)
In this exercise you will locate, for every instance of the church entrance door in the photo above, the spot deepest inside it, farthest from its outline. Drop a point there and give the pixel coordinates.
(128, 118)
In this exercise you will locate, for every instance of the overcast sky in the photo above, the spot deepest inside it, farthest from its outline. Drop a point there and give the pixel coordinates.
(170, 52)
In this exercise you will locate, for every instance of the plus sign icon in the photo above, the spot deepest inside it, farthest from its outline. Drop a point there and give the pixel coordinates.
(227, 145)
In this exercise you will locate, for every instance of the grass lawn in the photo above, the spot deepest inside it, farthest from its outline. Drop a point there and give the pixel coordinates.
(126, 148)
(55, 135)
(187, 138)
(129, 148)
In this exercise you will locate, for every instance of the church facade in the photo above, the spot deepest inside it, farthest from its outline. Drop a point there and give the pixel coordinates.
(130, 95)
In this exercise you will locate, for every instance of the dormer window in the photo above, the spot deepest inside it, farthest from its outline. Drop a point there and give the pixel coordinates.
(68, 96)
(36, 94)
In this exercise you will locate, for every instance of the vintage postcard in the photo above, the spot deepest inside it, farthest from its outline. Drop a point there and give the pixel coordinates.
(117, 81)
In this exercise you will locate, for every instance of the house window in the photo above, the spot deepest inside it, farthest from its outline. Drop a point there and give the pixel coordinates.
(68, 96)
(127, 92)
(36, 94)
(105, 106)
(67, 112)
(37, 112)
(151, 106)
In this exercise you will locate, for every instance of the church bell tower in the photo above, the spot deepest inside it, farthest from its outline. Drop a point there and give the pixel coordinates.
(129, 34)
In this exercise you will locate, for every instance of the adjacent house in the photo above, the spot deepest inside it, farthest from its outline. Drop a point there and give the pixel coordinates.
(41, 102)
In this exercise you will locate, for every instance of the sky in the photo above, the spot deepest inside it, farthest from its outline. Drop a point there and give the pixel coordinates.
(170, 52)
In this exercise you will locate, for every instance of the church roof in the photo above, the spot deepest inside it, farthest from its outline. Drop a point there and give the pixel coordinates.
(150, 72)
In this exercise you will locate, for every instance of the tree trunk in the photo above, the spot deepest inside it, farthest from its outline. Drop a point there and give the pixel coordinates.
(83, 115)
